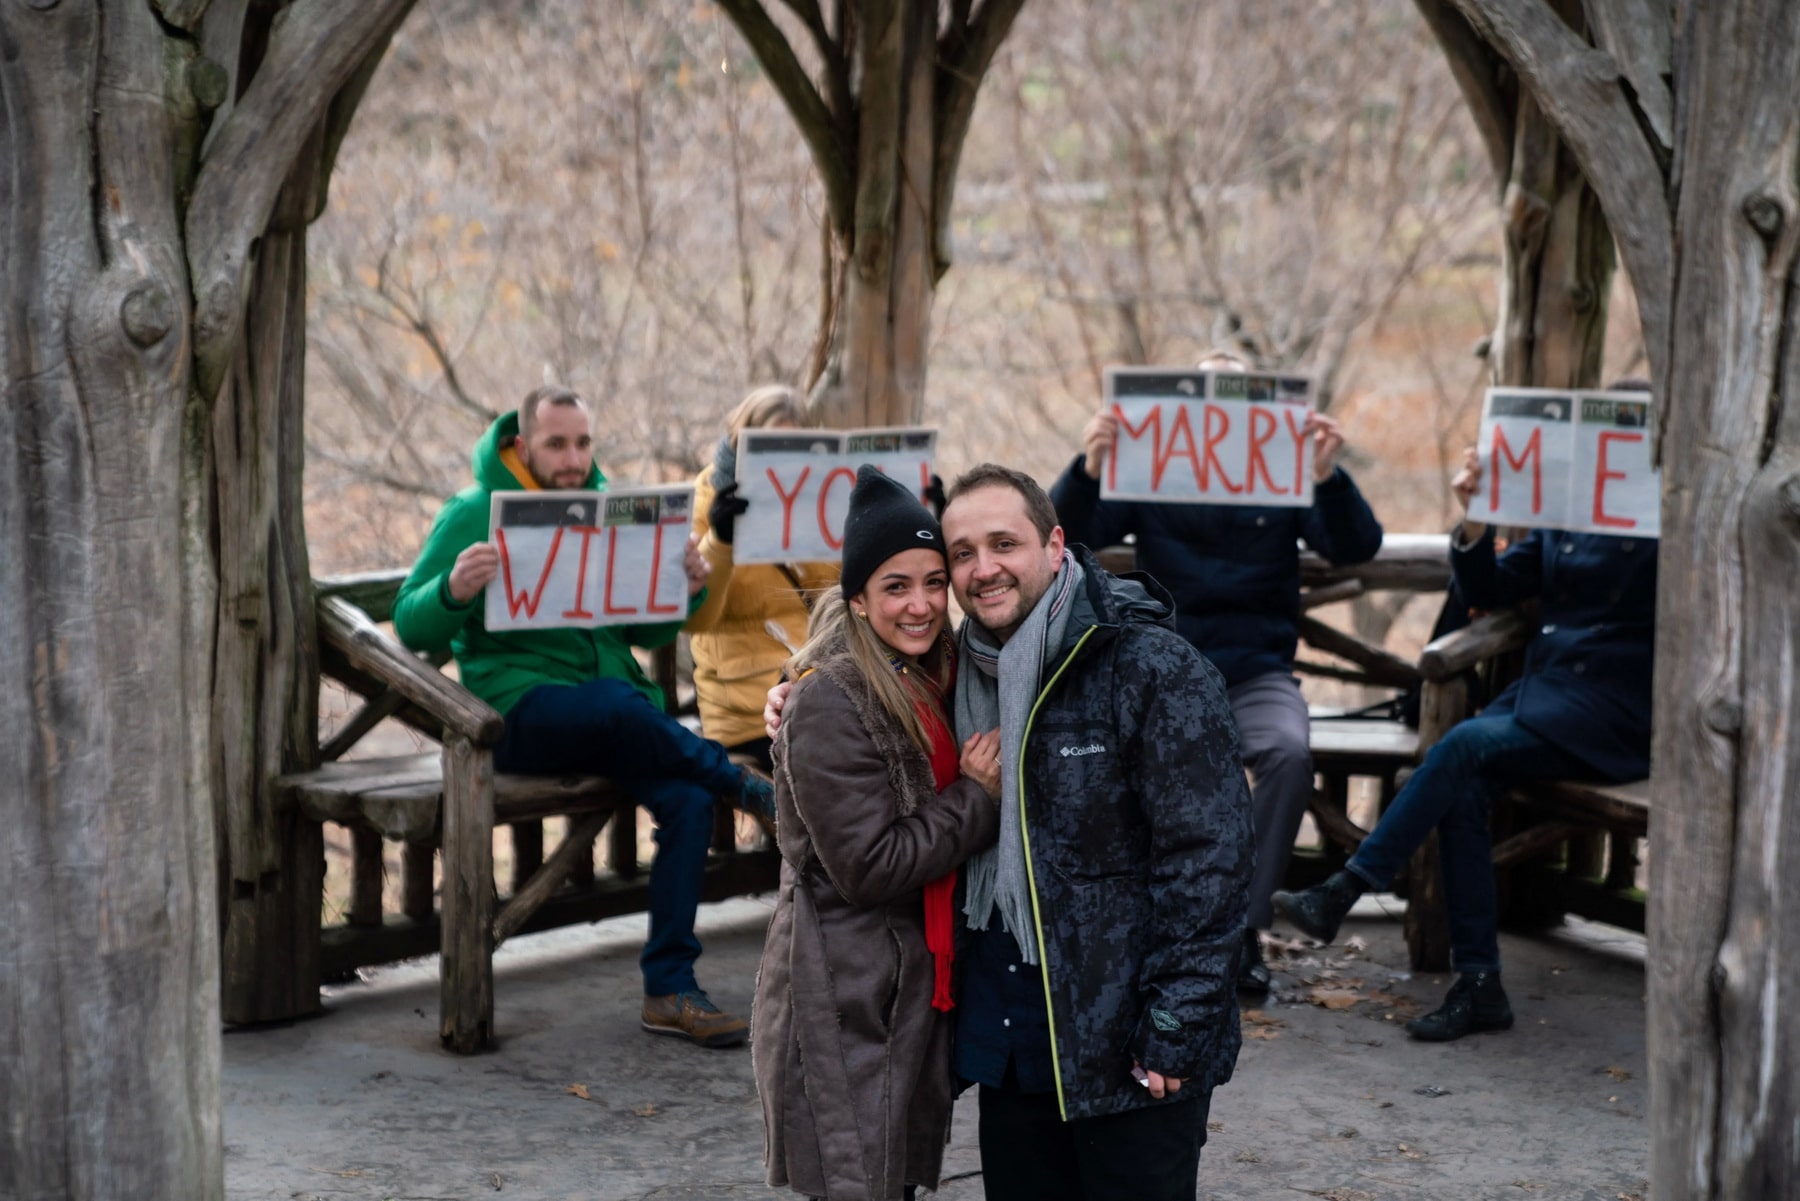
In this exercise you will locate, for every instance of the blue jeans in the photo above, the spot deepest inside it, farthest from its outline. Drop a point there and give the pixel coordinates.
(1452, 792)
(609, 728)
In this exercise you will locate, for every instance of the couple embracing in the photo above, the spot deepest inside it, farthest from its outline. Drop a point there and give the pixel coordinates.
(1077, 760)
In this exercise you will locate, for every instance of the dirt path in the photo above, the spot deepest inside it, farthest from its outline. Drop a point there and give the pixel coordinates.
(1331, 1099)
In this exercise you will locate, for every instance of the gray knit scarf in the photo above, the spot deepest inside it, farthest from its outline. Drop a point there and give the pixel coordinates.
(998, 685)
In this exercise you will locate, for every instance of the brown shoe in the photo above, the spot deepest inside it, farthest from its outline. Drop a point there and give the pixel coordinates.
(691, 1015)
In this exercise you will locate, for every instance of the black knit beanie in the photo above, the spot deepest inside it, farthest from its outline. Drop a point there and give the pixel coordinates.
(884, 520)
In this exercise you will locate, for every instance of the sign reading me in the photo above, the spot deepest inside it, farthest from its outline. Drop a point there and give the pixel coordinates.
(798, 484)
(1568, 461)
(1212, 437)
(589, 558)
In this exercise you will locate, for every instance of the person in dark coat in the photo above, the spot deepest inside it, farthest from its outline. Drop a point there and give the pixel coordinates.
(1234, 573)
(1579, 711)
(1098, 1006)
(876, 806)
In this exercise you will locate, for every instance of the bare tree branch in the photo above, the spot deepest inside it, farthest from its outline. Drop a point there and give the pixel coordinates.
(1578, 88)
(315, 49)
(1493, 100)
(1638, 33)
(963, 63)
(832, 153)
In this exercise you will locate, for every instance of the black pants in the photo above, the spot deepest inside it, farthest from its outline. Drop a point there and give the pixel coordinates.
(1028, 1153)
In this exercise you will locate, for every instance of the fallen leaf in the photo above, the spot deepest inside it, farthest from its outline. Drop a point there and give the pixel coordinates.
(1618, 1073)
(1409, 1152)
(497, 1182)
(1530, 1186)
(1354, 944)
(1261, 1034)
(579, 1090)
(1216, 1127)
(646, 1110)
(1333, 998)
(345, 1172)
(1248, 1156)
(1345, 1194)
(1257, 1017)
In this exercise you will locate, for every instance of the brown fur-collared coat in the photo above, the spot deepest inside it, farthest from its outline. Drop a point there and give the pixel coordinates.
(852, 1062)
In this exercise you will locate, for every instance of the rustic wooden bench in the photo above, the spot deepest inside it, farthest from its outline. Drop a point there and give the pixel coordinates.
(1560, 846)
(446, 806)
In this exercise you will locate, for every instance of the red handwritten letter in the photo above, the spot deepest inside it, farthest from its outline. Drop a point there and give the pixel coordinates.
(1182, 430)
(1298, 433)
(787, 502)
(520, 600)
(1266, 425)
(1151, 422)
(587, 533)
(612, 550)
(1215, 435)
(824, 495)
(1601, 475)
(1534, 451)
(656, 574)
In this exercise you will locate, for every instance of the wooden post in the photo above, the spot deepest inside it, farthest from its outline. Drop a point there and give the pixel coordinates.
(1441, 705)
(418, 862)
(466, 1015)
(528, 852)
(366, 877)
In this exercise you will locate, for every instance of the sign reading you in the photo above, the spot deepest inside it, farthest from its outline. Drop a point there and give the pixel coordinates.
(798, 484)
(1568, 461)
(1212, 437)
(589, 558)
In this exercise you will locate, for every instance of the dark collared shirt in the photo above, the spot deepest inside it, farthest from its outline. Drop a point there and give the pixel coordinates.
(1002, 1016)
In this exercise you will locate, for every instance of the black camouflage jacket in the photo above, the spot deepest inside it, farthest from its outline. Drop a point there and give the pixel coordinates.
(1138, 836)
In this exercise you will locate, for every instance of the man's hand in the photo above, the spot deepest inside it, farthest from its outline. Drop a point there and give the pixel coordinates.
(1158, 1084)
(696, 566)
(1097, 442)
(773, 705)
(474, 570)
(1328, 438)
(981, 761)
(1465, 484)
(727, 506)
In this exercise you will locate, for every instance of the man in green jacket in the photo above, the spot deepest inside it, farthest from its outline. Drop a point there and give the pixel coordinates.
(576, 702)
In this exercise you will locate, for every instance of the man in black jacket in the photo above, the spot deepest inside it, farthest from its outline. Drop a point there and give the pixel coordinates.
(1234, 572)
(1097, 983)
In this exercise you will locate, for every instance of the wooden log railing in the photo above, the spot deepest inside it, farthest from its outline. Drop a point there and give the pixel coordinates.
(446, 807)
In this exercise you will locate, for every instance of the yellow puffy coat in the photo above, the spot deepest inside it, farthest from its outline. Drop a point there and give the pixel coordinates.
(737, 658)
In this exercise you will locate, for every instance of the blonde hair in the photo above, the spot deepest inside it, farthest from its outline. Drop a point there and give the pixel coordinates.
(767, 404)
(1225, 354)
(833, 631)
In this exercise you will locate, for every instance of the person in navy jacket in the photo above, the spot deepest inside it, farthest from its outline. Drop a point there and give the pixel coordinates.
(1234, 572)
(1579, 711)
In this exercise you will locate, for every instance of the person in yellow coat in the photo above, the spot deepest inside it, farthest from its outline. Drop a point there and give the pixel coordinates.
(754, 617)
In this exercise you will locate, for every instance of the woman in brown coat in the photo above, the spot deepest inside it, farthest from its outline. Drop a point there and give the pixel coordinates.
(851, 1034)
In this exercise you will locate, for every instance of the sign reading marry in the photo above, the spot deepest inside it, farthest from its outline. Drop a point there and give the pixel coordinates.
(1568, 461)
(589, 558)
(798, 484)
(1213, 437)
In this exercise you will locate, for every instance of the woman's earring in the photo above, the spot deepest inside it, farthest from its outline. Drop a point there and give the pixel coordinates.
(862, 613)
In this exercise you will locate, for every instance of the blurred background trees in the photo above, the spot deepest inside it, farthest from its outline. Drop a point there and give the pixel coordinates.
(614, 196)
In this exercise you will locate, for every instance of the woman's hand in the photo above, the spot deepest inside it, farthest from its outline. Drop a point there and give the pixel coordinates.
(981, 761)
(773, 705)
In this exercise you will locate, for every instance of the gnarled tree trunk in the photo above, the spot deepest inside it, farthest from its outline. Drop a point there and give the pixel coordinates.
(1687, 124)
(140, 323)
(885, 125)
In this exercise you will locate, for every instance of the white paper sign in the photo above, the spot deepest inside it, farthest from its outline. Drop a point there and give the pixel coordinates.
(1209, 437)
(798, 484)
(1568, 461)
(588, 559)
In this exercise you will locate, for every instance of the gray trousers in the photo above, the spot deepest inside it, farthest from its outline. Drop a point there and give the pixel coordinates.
(1273, 731)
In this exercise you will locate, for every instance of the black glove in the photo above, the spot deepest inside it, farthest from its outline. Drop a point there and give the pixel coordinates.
(934, 495)
(727, 506)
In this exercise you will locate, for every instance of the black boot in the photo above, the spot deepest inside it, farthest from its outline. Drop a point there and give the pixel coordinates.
(1476, 1002)
(1253, 974)
(1319, 911)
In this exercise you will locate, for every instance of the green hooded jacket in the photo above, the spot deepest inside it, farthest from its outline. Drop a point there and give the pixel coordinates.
(502, 667)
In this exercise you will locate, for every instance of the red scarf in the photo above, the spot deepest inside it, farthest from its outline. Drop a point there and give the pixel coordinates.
(940, 895)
